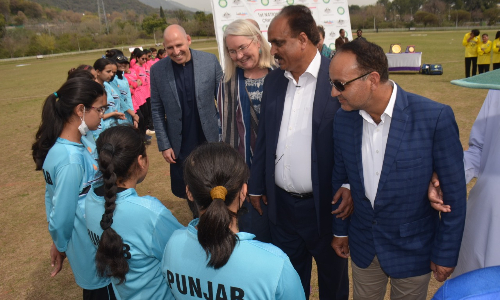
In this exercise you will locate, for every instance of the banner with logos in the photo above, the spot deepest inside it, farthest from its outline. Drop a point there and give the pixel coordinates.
(332, 14)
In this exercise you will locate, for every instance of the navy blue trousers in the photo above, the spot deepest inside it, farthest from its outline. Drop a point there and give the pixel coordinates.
(296, 233)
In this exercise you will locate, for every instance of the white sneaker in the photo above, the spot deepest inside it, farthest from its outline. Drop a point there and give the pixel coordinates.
(150, 132)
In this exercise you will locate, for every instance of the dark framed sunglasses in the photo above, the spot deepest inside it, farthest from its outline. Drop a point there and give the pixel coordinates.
(340, 86)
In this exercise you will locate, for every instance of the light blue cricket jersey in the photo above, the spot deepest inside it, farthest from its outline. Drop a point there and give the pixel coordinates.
(255, 270)
(113, 98)
(69, 170)
(144, 224)
(121, 85)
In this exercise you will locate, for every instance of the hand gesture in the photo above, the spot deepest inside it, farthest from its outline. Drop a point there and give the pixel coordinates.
(341, 246)
(346, 207)
(169, 155)
(436, 195)
(56, 260)
(255, 200)
(440, 272)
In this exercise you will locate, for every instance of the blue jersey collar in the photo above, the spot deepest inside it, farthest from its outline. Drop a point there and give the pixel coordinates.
(68, 142)
(241, 235)
(126, 193)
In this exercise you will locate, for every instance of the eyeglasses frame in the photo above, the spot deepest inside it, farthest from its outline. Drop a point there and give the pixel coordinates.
(241, 49)
(341, 88)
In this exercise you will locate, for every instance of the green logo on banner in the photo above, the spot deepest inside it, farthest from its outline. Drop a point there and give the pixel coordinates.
(326, 1)
(341, 10)
(290, 2)
(264, 2)
(224, 28)
(222, 3)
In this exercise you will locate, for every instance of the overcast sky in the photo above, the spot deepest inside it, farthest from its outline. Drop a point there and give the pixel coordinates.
(206, 5)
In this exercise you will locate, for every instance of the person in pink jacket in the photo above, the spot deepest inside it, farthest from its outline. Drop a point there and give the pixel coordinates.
(143, 92)
(133, 56)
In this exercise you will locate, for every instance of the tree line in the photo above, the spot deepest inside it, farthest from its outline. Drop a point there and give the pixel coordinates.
(413, 13)
(28, 28)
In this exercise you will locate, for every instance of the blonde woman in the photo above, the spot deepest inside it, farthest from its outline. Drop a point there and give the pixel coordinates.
(247, 61)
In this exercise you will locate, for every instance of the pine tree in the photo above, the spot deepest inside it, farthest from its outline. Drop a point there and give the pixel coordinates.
(162, 13)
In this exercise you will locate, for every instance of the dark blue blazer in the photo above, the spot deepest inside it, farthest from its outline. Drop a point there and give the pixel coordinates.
(402, 229)
(262, 173)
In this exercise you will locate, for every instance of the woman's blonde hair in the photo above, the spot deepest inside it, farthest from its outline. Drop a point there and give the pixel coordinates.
(246, 28)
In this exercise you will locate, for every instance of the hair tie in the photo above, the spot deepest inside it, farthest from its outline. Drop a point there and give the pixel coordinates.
(55, 94)
(218, 192)
(109, 147)
(106, 221)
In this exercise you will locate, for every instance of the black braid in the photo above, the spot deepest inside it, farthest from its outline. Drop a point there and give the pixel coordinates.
(118, 148)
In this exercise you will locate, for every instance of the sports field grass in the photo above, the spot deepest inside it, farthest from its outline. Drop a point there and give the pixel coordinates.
(24, 239)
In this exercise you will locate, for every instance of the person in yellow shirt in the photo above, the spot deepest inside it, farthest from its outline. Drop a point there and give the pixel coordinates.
(470, 42)
(495, 48)
(483, 54)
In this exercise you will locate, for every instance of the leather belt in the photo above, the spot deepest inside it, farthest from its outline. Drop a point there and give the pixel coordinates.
(301, 196)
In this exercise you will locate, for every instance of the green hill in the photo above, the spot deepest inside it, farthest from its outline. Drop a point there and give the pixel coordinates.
(91, 6)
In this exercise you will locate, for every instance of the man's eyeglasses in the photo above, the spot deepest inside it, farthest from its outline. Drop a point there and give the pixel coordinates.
(243, 49)
(340, 86)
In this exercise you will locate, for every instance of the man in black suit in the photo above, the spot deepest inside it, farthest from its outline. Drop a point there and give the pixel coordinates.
(293, 160)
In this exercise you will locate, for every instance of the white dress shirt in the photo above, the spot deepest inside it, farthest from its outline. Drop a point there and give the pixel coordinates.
(293, 152)
(373, 146)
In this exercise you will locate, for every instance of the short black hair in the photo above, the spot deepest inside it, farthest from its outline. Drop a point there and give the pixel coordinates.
(475, 31)
(370, 57)
(341, 30)
(300, 19)
(321, 30)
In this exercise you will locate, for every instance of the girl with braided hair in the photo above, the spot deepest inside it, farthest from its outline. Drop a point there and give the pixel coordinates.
(211, 258)
(129, 231)
(64, 152)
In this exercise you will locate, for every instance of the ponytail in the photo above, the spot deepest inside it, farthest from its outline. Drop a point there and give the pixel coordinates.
(118, 148)
(50, 128)
(214, 234)
(215, 174)
(57, 110)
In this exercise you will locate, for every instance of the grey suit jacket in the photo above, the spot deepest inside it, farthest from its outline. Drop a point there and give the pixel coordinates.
(165, 105)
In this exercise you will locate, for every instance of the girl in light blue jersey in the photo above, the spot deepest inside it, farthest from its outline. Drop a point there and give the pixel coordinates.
(129, 231)
(64, 154)
(211, 259)
(106, 70)
(120, 83)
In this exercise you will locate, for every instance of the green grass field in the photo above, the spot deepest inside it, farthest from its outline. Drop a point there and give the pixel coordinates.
(24, 239)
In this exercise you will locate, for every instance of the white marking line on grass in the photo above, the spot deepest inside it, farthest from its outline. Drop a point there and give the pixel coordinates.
(22, 65)
(20, 98)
